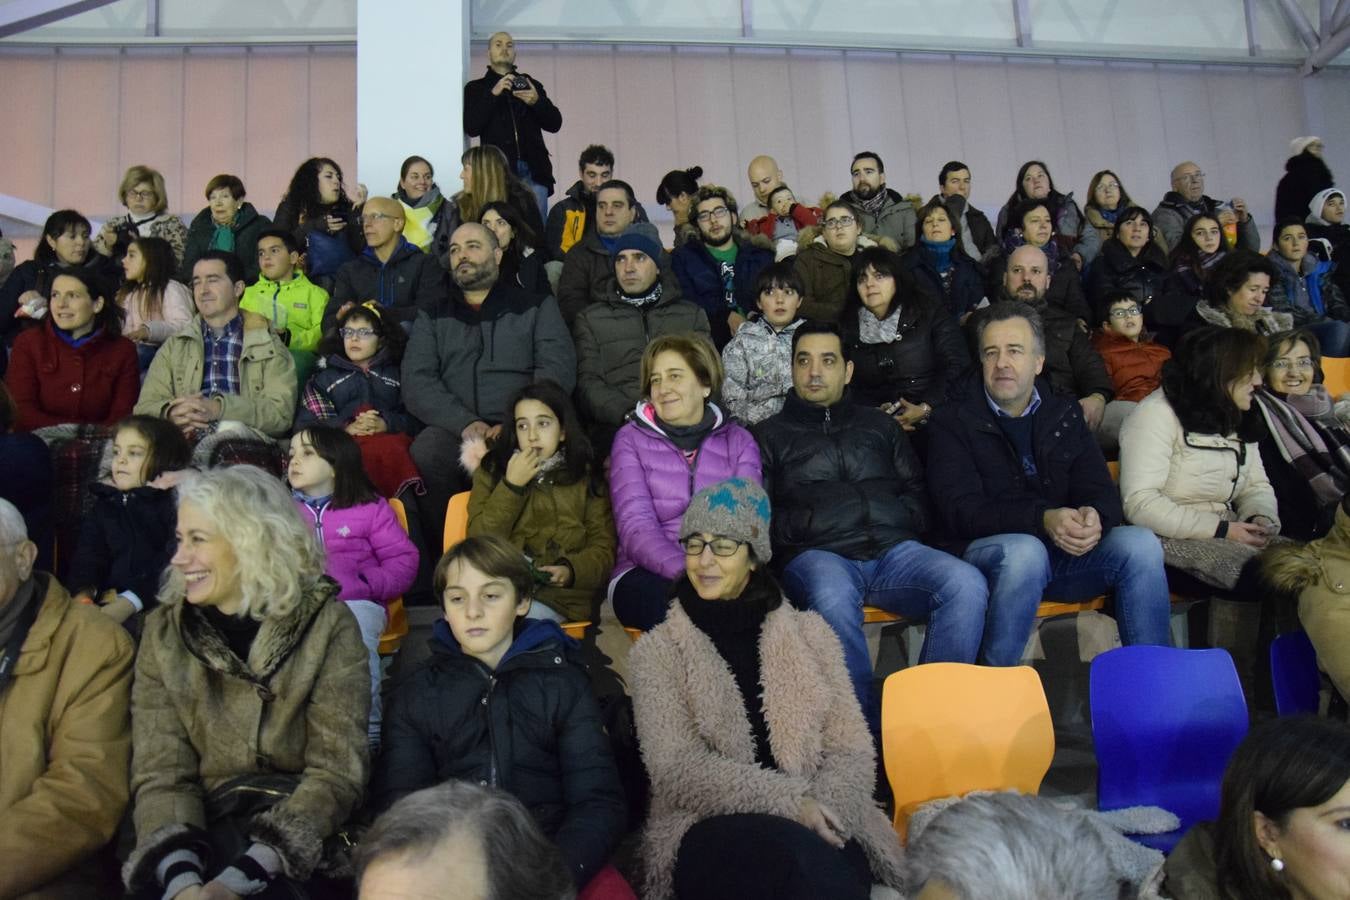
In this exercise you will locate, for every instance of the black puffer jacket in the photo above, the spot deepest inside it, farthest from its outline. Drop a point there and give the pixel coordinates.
(409, 282)
(531, 728)
(842, 478)
(961, 293)
(927, 355)
(341, 389)
(1116, 270)
(125, 542)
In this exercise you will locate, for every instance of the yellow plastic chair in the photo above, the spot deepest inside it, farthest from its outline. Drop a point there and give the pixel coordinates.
(396, 629)
(1336, 375)
(951, 728)
(457, 529)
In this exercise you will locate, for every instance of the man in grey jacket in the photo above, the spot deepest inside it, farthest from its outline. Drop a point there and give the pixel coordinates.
(461, 369)
(1187, 198)
(885, 213)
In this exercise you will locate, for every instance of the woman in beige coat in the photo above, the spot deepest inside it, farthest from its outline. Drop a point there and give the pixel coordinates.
(250, 702)
(760, 761)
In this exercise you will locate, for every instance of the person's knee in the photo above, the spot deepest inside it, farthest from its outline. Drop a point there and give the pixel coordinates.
(820, 580)
(1138, 546)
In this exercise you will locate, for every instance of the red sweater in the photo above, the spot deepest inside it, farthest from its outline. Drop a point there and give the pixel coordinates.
(54, 383)
(1135, 368)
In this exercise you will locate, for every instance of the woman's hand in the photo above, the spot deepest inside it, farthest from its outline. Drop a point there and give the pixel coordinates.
(1249, 533)
(910, 415)
(140, 334)
(823, 822)
(523, 466)
(559, 576)
(336, 224)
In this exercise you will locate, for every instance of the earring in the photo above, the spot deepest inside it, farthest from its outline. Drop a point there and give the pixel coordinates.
(1277, 864)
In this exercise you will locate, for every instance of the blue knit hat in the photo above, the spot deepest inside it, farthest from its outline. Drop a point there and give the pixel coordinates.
(736, 508)
(642, 236)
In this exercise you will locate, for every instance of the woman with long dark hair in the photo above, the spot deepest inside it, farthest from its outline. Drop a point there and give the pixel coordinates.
(153, 304)
(487, 178)
(521, 259)
(1034, 183)
(324, 220)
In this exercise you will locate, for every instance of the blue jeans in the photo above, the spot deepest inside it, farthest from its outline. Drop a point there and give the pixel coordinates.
(1333, 335)
(1022, 571)
(910, 579)
(541, 191)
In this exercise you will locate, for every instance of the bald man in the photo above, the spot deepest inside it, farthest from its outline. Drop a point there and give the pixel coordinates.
(764, 176)
(1187, 198)
(391, 270)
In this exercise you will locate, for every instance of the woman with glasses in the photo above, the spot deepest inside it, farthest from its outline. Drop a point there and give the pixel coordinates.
(825, 261)
(1304, 446)
(143, 193)
(1132, 359)
(676, 442)
(760, 761)
(1132, 260)
(1106, 200)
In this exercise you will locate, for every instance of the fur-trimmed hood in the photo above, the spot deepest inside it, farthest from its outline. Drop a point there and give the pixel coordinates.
(1326, 561)
(814, 234)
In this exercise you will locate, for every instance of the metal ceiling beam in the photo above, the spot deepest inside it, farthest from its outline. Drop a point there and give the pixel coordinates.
(1298, 20)
(1340, 17)
(1327, 51)
(1022, 22)
(18, 16)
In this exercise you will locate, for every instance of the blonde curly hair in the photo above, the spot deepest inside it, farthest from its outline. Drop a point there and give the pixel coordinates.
(279, 556)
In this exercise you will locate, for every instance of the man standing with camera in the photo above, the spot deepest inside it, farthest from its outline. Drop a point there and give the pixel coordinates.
(510, 110)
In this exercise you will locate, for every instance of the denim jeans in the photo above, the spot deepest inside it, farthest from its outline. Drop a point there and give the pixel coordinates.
(540, 191)
(1022, 571)
(1333, 335)
(371, 618)
(910, 579)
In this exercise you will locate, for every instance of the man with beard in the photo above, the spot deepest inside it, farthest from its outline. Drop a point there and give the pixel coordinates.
(510, 110)
(718, 271)
(587, 268)
(1072, 366)
(764, 176)
(612, 335)
(461, 369)
(885, 213)
(573, 217)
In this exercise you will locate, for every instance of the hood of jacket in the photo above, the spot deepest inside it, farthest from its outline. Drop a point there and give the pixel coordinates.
(404, 250)
(1291, 567)
(644, 416)
(534, 634)
(812, 234)
(1318, 201)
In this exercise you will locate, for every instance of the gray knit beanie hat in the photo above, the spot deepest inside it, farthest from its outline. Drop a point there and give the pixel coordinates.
(736, 508)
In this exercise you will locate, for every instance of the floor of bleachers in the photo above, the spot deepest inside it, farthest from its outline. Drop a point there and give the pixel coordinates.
(1058, 652)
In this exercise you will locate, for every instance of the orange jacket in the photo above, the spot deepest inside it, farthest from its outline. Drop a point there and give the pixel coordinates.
(1135, 367)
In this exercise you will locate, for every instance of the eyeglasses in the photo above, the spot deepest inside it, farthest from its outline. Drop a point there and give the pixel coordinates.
(1192, 178)
(721, 546)
(141, 195)
(1126, 312)
(839, 222)
(1284, 365)
(709, 214)
(367, 218)
(1108, 185)
(361, 333)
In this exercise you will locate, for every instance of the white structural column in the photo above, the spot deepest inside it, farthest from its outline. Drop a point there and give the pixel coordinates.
(412, 59)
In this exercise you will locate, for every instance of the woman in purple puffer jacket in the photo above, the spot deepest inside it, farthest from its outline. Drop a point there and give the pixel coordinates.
(677, 443)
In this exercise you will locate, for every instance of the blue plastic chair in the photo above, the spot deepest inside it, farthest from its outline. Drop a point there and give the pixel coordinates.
(1294, 673)
(1164, 723)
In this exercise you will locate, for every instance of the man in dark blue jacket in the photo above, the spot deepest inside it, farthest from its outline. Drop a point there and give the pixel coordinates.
(1023, 494)
(848, 512)
(718, 271)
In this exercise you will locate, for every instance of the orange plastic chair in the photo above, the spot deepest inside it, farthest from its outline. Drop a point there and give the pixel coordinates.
(396, 629)
(951, 728)
(456, 520)
(457, 529)
(1336, 374)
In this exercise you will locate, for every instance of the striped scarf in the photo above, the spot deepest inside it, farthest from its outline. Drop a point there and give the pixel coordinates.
(1319, 454)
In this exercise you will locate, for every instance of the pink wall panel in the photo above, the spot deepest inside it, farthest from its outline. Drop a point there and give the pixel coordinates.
(276, 125)
(150, 125)
(28, 141)
(332, 116)
(86, 116)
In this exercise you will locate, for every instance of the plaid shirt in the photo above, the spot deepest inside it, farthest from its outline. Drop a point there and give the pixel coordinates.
(220, 359)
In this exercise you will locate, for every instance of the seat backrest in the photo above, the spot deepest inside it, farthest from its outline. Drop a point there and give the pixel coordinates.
(1164, 723)
(1293, 671)
(456, 520)
(951, 728)
(396, 629)
(1336, 375)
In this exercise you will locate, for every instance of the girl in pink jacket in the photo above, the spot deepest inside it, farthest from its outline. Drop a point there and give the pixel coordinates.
(368, 553)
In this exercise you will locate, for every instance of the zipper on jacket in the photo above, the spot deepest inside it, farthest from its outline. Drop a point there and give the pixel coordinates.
(492, 732)
(825, 426)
